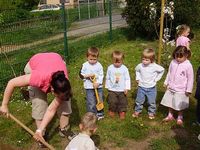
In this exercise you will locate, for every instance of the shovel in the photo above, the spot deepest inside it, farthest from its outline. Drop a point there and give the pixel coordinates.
(99, 104)
(30, 131)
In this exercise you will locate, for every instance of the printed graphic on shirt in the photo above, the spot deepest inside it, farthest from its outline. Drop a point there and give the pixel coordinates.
(117, 77)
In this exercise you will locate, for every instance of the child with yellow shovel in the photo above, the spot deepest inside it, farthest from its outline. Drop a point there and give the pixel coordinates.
(92, 75)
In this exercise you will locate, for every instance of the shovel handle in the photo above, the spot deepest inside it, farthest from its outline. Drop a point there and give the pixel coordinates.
(97, 96)
(93, 79)
(30, 131)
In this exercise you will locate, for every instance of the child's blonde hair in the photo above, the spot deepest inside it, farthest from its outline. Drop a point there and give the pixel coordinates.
(93, 51)
(181, 29)
(117, 56)
(88, 121)
(149, 53)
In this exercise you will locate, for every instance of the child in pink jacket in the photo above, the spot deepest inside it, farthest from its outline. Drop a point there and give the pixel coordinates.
(179, 83)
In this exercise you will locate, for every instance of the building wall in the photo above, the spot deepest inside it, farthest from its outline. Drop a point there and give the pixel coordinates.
(71, 2)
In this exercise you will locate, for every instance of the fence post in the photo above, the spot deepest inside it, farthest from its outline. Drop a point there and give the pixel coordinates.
(88, 3)
(65, 28)
(110, 19)
(79, 11)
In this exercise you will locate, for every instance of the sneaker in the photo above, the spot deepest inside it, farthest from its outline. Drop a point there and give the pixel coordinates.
(111, 114)
(66, 132)
(122, 115)
(151, 116)
(167, 119)
(100, 117)
(179, 122)
(135, 114)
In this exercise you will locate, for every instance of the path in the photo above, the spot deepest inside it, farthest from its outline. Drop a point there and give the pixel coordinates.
(79, 29)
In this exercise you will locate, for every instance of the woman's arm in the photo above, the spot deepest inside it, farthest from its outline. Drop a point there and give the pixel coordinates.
(15, 82)
(51, 110)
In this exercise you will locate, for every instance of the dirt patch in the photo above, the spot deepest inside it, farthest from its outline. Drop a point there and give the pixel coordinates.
(133, 144)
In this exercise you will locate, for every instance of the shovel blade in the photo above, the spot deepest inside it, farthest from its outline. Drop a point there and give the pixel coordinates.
(99, 106)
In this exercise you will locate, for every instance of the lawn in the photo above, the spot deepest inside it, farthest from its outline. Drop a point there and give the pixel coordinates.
(112, 134)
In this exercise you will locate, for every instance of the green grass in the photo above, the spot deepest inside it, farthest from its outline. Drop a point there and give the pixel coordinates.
(111, 133)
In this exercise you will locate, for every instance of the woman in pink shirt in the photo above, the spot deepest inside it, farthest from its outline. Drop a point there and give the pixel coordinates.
(45, 72)
(182, 40)
(179, 83)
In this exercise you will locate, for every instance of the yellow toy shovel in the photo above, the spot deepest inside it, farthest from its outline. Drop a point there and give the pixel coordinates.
(99, 104)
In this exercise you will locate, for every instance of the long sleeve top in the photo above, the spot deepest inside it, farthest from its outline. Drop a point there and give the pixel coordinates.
(148, 75)
(180, 76)
(182, 41)
(81, 142)
(95, 69)
(118, 79)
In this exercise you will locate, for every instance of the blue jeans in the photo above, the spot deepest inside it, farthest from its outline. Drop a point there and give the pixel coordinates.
(150, 93)
(91, 101)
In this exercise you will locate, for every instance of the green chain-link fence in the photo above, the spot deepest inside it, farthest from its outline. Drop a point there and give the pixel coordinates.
(20, 39)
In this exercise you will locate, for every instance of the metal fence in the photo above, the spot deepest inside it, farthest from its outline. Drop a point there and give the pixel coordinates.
(45, 31)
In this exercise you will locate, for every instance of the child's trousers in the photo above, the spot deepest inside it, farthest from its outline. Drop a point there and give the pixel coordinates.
(150, 93)
(117, 101)
(91, 101)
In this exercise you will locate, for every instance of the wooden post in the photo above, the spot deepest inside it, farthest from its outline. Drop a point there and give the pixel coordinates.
(161, 31)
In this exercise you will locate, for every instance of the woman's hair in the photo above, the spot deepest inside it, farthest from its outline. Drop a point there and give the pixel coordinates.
(149, 53)
(61, 85)
(181, 29)
(93, 51)
(117, 56)
(181, 51)
(88, 121)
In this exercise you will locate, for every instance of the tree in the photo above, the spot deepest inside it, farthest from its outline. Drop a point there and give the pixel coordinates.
(137, 14)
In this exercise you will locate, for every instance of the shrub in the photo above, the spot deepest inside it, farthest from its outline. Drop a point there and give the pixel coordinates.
(137, 14)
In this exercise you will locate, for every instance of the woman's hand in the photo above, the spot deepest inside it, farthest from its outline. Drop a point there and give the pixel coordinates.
(38, 135)
(4, 110)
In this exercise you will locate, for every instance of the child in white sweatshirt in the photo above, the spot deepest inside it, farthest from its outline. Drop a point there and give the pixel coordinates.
(147, 75)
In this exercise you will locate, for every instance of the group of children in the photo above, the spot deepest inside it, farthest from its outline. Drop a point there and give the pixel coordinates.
(178, 84)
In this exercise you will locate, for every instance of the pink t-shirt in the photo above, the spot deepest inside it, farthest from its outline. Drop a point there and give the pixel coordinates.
(182, 41)
(43, 65)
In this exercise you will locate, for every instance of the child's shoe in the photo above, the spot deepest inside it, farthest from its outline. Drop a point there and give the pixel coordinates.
(179, 122)
(100, 117)
(168, 118)
(122, 115)
(135, 114)
(111, 114)
(66, 132)
(151, 116)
